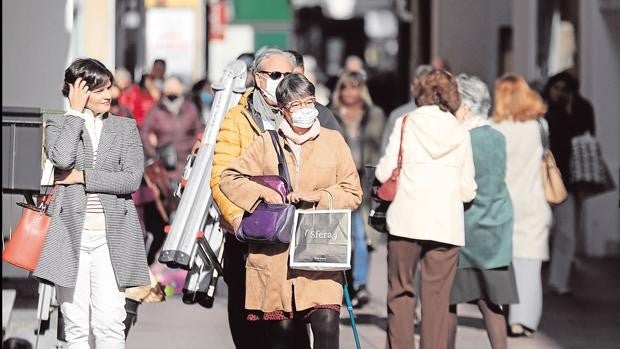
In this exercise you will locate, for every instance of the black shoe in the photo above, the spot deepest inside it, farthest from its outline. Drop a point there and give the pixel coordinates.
(370, 246)
(360, 298)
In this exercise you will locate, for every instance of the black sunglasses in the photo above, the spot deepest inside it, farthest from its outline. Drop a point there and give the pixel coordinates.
(274, 75)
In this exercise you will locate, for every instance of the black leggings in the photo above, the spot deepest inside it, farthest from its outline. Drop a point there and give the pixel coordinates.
(291, 334)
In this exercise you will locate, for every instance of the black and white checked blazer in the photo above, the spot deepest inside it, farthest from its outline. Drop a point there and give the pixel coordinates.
(117, 174)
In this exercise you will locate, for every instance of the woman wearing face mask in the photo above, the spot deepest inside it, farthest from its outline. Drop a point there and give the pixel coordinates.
(174, 122)
(202, 96)
(320, 165)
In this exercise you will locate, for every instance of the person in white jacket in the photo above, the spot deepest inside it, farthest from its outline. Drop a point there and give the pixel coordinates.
(517, 108)
(425, 220)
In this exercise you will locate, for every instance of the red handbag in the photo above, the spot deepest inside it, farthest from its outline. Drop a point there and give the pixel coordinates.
(387, 190)
(26, 243)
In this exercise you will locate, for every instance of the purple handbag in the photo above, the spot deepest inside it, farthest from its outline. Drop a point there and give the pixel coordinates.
(270, 223)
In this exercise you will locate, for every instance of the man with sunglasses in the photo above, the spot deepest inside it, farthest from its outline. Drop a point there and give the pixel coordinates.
(256, 113)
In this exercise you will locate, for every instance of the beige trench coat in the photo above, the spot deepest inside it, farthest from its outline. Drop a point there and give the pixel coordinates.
(326, 164)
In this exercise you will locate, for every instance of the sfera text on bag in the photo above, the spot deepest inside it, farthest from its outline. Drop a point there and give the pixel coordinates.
(317, 234)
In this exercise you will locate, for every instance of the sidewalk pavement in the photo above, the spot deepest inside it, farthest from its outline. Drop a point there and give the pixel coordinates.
(588, 319)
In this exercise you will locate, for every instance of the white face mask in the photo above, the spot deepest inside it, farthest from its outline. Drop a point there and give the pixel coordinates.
(305, 117)
(270, 89)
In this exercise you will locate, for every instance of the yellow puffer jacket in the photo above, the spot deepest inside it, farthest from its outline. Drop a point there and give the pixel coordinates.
(237, 132)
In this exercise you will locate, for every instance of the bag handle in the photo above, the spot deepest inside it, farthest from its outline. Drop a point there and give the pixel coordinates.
(544, 132)
(400, 150)
(282, 167)
(331, 200)
(47, 198)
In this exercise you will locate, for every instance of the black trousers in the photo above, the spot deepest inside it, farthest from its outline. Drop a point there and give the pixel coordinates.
(248, 334)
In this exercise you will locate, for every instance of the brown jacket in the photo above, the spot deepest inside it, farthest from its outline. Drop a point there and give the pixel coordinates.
(326, 164)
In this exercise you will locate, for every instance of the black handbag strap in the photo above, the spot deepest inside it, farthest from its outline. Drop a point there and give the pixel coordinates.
(282, 167)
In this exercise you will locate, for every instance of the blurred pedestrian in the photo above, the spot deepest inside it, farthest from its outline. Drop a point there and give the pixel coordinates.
(255, 113)
(355, 64)
(405, 108)
(440, 63)
(116, 107)
(158, 73)
(569, 115)
(173, 123)
(425, 220)
(517, 108)
(362, 125)
(276, 292)
(94, 247)
(122, 92)
(138, 98)
(485, 275)
(316, 77)
(203, 95)
(326, 117)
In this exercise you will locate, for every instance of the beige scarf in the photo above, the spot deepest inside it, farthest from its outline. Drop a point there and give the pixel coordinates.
(295, 140)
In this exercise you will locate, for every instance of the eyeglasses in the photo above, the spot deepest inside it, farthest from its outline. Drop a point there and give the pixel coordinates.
(296, 105)
(274, 75)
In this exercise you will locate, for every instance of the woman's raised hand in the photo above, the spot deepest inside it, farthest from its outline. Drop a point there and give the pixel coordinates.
(78, 94)
(270, 196)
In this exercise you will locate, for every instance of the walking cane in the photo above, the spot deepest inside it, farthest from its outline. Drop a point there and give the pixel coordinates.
(347, 299)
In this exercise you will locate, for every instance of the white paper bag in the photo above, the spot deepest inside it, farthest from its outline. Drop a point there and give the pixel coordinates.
(321, 240)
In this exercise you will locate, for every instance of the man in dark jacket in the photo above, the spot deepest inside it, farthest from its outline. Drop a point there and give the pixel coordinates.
(326, 117)
(569, 115)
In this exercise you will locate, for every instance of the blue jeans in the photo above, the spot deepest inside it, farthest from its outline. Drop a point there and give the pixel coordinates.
(360, 255)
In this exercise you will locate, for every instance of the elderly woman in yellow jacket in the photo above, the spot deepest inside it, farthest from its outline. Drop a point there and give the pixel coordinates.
(321, 166)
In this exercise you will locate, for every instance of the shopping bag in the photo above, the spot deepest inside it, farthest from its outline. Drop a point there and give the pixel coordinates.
(588, 171)
(321, 240)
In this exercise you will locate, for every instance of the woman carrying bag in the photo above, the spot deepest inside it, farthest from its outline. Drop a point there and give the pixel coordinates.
(425, 219)
(517, 109)
(320, 166)
(94, 248)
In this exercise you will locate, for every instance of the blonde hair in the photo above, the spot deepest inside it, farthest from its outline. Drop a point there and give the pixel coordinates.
(354, 79)
(515, 100)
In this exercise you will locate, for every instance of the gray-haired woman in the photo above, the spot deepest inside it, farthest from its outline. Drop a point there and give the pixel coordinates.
(485, 273)
(320, 166)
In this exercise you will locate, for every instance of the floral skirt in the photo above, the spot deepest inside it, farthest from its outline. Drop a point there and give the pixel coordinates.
(256, 315)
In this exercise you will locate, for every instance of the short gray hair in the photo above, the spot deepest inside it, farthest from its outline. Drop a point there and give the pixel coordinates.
(293, 86)
(474, 94)
(265, 53)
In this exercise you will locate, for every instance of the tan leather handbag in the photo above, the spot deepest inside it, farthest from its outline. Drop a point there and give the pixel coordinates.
(555, 190)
